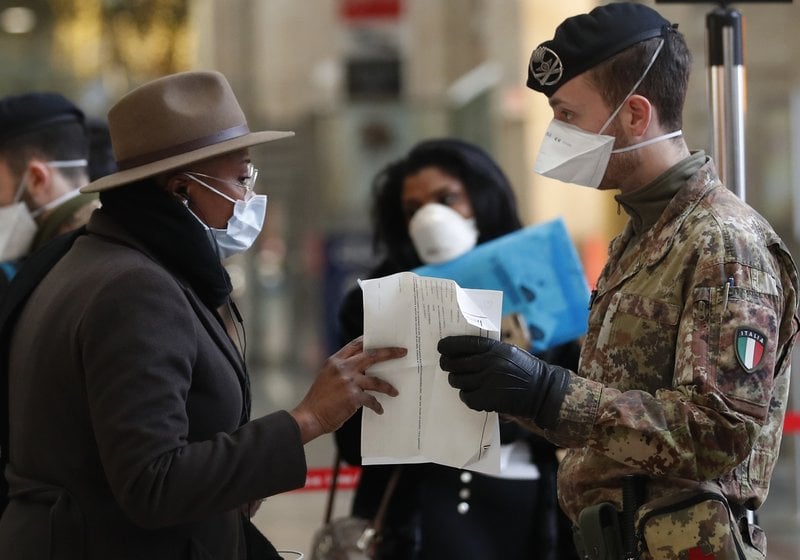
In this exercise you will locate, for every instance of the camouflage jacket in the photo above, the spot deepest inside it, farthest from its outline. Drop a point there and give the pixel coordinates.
(684, 374)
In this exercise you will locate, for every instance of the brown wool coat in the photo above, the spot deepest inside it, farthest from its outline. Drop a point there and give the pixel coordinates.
(126, 410)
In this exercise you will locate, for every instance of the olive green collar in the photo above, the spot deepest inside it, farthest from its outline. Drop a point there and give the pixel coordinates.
(645, 205)
(51, 225)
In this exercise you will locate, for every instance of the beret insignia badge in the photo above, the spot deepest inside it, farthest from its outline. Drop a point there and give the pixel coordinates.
(545, 66)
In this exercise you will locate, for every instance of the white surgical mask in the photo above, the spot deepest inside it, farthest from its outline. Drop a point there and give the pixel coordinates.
(573, 155)
(244, 225)
(440, 234)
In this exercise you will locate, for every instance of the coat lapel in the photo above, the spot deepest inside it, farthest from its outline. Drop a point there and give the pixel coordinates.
(215, 327)
(210, 319)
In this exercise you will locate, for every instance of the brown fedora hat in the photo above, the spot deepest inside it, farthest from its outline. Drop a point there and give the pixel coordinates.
(174, 121)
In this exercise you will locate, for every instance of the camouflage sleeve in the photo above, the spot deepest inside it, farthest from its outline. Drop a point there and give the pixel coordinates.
(703, 421)
(578, 413)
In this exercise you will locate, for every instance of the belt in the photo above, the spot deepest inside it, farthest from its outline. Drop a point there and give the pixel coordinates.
(609, 537)
(67, 530)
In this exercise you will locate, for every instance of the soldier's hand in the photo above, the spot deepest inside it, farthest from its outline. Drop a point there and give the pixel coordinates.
(341, 388)
(497, 376)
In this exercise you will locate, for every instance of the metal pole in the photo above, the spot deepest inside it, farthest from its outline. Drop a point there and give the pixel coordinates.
(726, 95)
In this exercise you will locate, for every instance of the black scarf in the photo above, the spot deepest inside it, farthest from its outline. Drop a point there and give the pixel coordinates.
(172, 234)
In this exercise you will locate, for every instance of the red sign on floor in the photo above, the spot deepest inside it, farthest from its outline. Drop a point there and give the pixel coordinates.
(370, 9)
(321, 478)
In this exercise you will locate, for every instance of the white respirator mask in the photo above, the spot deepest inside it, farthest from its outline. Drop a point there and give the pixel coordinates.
(440, 234)
(17, 230)
(17, 225)
(573, 155)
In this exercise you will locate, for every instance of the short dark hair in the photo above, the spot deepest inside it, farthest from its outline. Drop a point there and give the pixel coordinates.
(665, 84)
(39, 124)
(488, 188)
(56, 141)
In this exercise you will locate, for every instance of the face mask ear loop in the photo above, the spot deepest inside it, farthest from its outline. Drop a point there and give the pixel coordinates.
(648, 142)
(635, 86)
(57, 164)
(20, 189)
(69, 195)
(209, 187)
(67, 163)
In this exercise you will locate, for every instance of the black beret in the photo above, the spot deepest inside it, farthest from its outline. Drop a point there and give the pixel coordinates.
(27, 112)
(582, 42)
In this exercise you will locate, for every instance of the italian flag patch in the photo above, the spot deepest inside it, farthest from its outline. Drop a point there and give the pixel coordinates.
(750, 346)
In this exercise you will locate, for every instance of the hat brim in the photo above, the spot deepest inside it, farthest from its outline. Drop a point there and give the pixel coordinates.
(175, 162)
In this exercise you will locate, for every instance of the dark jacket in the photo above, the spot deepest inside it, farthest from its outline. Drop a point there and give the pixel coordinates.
(128, 437)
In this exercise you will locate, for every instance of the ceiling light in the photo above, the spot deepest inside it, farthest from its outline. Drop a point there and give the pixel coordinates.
(17, 20)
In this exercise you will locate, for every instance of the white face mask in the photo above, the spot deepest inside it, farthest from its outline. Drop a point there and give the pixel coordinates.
(244, 225)
(17, 225)
(573, 155)
(17, 230)
(440, 234)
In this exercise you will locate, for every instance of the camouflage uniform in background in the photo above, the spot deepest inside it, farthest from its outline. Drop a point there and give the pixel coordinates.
(684, 374)
(68, 216)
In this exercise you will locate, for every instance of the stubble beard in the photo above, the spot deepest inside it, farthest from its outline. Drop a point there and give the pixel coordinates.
(621, 169)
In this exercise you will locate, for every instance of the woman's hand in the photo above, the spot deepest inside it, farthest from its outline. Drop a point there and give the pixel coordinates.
(342, 387)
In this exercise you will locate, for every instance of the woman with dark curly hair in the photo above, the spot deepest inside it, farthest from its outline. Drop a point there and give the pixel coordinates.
(436, 203)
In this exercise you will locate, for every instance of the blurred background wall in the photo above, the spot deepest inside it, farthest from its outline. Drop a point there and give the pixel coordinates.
(360, 81)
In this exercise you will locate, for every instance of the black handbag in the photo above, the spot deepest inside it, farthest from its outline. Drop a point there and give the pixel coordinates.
(350, 538)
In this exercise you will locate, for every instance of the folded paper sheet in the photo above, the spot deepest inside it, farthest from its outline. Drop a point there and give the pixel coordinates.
(427, 422)
(541, 277)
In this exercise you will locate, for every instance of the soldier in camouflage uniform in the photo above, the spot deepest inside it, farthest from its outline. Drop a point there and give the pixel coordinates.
(679, 398)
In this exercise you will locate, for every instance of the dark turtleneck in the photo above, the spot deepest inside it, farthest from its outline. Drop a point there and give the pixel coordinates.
(172, 234)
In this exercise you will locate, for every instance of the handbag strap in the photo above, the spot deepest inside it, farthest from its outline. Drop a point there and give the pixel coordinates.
(380, 515)
(332, 490)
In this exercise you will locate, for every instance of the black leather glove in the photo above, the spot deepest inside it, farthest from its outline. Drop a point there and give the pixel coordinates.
(496, 376)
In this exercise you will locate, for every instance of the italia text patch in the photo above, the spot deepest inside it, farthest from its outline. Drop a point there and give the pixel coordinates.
(750, 346)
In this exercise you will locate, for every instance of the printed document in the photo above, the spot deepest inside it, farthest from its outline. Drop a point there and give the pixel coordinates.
(426, 422)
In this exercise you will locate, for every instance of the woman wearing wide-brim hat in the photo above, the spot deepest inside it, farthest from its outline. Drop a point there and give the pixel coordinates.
(130, 434)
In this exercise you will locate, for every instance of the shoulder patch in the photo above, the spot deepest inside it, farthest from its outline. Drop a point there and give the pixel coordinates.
(750, 346)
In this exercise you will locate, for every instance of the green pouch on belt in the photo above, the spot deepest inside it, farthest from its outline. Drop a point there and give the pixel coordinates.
(599, 533)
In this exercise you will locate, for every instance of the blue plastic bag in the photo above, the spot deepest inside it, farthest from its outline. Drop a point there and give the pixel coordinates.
(541, 277)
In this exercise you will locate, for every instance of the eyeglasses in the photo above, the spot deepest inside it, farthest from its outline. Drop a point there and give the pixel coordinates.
(248, 184)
